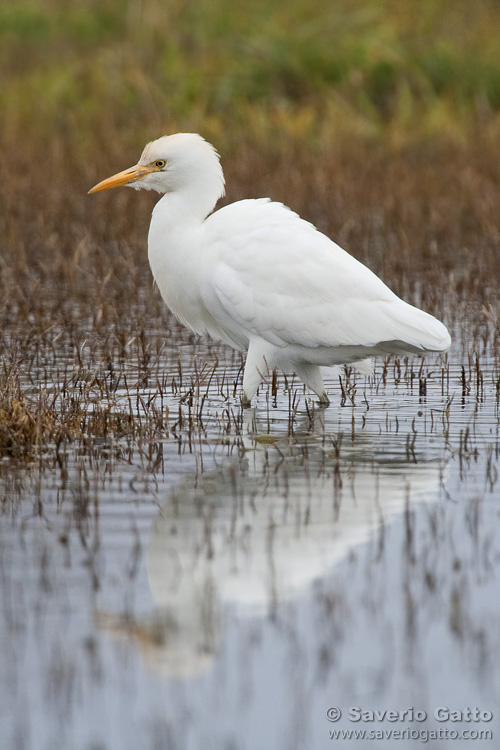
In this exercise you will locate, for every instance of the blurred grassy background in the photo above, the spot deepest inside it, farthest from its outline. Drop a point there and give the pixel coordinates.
(393, 69)
(378, 120)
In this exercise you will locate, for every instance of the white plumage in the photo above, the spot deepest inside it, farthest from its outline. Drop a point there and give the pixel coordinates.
(259, 278)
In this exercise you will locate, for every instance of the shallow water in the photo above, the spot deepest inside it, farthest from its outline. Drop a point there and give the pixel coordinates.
(213, 578)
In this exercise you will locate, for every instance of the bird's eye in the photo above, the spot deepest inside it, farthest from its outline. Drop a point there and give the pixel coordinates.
(160, 163)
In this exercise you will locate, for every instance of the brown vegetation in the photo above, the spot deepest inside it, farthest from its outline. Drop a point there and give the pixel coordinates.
(417, 203)
(77, 298)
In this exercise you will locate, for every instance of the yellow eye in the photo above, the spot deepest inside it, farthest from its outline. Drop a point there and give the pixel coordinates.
(160, 163)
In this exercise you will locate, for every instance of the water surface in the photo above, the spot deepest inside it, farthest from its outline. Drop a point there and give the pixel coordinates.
(207, 577)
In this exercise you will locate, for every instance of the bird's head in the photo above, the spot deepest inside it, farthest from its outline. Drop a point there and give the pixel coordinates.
(173, 163)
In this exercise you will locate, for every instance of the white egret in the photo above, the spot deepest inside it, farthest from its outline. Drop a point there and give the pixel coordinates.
(259, 278)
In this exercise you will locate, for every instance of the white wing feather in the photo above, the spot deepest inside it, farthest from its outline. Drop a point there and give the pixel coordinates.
(277, 277)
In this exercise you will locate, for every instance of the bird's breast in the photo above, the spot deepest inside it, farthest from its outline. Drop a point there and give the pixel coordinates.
(177, 257)
(174, 257)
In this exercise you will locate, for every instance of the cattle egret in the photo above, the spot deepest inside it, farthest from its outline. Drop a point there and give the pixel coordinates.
(258, 277)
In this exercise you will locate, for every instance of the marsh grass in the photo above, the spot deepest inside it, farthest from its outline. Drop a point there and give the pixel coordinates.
(81, 320)
(380, 127)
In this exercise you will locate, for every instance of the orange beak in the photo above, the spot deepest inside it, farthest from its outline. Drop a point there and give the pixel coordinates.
(124, 178)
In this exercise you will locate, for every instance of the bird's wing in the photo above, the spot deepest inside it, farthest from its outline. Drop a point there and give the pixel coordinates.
(275, 276)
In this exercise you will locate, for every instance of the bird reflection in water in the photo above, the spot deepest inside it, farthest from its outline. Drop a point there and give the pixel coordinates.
(260, 530)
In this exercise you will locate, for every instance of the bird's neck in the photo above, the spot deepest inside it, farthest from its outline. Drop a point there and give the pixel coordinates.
(174, 223)
(175, 245)
(178, 211)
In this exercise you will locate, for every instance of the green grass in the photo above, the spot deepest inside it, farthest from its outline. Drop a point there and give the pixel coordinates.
(376, 69)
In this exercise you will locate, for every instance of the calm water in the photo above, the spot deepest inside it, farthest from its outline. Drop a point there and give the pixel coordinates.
(223, 582)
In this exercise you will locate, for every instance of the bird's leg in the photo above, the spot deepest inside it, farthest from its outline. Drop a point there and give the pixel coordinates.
(256, 369)
(311, 376)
